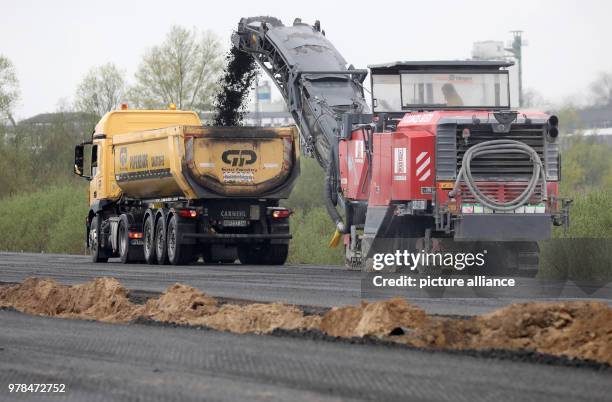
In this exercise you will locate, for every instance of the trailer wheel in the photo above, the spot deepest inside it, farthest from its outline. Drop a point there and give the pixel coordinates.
(178, 254)
(161, 251)
(97, 255)
(150, 255)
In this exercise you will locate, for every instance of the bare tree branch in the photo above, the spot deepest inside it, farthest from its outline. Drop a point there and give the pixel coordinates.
(180, 71)
(101, 90)
(601, 89)
(9, 89)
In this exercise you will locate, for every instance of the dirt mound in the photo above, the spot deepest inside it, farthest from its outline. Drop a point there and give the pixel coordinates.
(186, 305)
(578, 329)
(259, 318)
(575, 329)
(374, 319)
(180, 304)
(103, 299)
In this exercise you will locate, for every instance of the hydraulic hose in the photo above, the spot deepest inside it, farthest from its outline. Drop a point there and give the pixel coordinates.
(329, 203)
(501, 147)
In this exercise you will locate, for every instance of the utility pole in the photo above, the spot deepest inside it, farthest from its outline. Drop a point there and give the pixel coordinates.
(517, 52)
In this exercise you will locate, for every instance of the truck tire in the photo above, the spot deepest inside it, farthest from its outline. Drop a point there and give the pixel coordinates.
(273, 254)
(161, 250)
(123, 242)
(249, 255)
(148, 234)
(276, 254)
(97, 255)
(178, 254)
(127, 252)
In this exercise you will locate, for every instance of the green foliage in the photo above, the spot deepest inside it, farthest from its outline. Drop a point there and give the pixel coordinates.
(51, 220)
(311, 225)
(35, 155)
(569, 118)
(591, 216)
(308, 191)
(586, 165)
(581, 260)
(312, 230)
(584, 253)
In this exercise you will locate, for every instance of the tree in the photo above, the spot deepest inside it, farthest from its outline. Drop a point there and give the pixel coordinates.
(533, 99)
(182, 70)
(586, 165)
(601, 89)
(9, 89)
(101, 90)
(569, 118)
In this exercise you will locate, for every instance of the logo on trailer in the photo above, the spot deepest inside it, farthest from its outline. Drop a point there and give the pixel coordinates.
(235, 157)
(423, 168)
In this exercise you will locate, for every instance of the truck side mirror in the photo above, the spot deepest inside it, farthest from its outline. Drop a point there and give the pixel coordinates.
(82, 160)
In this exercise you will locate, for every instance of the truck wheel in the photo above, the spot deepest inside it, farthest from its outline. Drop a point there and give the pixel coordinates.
(124, 242)
(149, 241)
(127, 252)
(276, 254)
(161, 251)
(178, 254)
(97, 255)
(249, 255)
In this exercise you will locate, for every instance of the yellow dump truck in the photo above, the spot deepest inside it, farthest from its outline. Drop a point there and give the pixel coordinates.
(165, 189)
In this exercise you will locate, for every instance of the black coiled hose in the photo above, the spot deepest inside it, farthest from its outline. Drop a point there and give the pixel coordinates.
(501, 147)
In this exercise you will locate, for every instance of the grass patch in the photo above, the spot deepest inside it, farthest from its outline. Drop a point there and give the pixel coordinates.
(584, 253)
(312, 230)
(46, 220)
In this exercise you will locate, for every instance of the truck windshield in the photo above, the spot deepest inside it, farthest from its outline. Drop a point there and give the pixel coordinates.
(440, 90)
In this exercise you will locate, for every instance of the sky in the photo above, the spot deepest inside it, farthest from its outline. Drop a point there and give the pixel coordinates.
(54, 43)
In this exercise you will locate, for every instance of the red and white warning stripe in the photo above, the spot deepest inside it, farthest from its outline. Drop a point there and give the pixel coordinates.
(423, 168)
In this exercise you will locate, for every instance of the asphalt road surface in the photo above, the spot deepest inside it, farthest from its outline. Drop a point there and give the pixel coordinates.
(307, 285)
(99, 361)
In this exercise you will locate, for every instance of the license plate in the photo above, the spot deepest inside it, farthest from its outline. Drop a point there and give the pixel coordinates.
(136, 242)
(235, 223)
